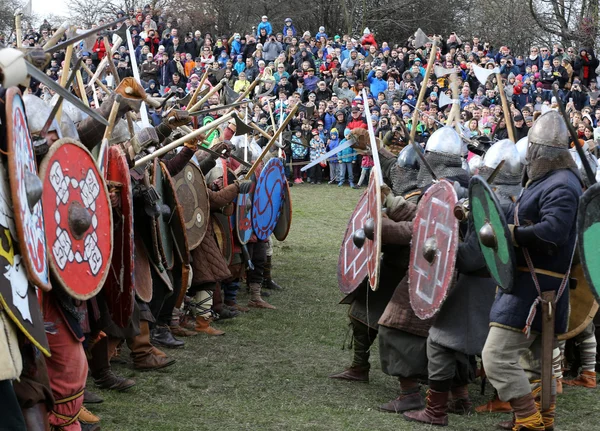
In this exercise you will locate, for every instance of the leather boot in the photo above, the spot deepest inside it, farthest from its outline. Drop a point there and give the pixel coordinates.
(203, 325)
(36, 417)
(114, 350)
(227, 313)
(436, 411)
(268, 282)
(144, 354)
(494, 405)
(180, 331)
(586, 379)
(236, 306)
(527, 416)
(405, 402)
(161, 335)
(353, 374)
(87, 417)
(91, 398)
(101, 371)
(461, 403)
(89, 427)
(255, 299)
(547, 415)
(217, 305)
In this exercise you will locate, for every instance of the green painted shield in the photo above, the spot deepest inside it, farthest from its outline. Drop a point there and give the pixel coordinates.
(588, 232)
(165, 240)
(489, 219)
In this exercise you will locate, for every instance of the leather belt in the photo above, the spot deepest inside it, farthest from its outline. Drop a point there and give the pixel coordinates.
(542, 272)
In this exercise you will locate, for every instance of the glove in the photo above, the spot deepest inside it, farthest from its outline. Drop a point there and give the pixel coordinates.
(192, 145)
(223, 148)
(177, 118)
(395, 207)
(245, 186)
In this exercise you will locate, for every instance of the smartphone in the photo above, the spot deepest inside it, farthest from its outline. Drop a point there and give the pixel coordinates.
(570, 100)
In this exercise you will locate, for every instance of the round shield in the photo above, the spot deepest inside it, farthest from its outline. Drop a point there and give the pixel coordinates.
(243, 214)
(282, 228)
(433, 251)
(588, 237)
(26, 191)
(165, 240)
(119, 287)
(493, 233)
(176, 220)
(193, 196)
(352, 262)
(373, 229)
(266, 207)
(18, 297)
(582, 305)
(142, 272)
(78, 218)
(222, 230)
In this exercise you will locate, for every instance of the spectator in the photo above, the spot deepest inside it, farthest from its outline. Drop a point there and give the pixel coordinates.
(264, 25)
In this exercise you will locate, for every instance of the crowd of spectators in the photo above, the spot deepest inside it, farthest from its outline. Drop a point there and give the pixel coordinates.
(326, 72)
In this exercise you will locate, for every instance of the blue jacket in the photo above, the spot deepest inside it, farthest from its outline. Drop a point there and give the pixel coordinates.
(345, 156)
(376, 85)
(285, 29)
(550, 206)
(266, 26)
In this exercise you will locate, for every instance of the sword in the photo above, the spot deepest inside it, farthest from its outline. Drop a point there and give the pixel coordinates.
(82, 36)
(582, 156)
(136, 74)
(374, 149)
(348, 143)
(47, 81)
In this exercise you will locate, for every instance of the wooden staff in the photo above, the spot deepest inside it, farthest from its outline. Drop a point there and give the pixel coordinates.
(104, 62)
(271, 142)
(93, 78)
(413, 129)
(113, 69)
(65, 76)
(56, 36)
(82, 92)
(198, 90)
(103, 154)
(213, 90)
(18, 29)
(506, 109)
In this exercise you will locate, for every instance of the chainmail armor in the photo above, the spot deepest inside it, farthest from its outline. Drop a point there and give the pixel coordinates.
(444, 166)
(403, 179)
(542, 159)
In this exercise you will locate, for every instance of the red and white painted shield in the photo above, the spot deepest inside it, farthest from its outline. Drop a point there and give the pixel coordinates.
(373, 230)
(78, 218)
(352, 262)
(22, 171)
(433, 251)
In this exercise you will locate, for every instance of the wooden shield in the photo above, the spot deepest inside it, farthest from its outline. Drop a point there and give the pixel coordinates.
(193, 196)
(588, 237)
(582, 305)
(243, 214)
(165, 240)
(21, 164)
(78, 218)
(223, 234)
(352, 262)
(266, 206)
(433, 251)
(282, 228)
(493, 233)
(176, 220)
(119, 288)
(142, 274)
(18, 297)
(373, 229)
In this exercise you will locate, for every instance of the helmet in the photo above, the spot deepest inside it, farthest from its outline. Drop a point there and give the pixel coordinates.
(38, 112)
(475, 163)
(408, 158)
(550, 130)
(593, 162)
(74, 112)
(507, 151)
(67, 127)
(522, 146)
(445, 140)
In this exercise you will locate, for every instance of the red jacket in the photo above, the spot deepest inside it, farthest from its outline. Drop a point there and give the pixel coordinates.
(99, 48)
(357, 124)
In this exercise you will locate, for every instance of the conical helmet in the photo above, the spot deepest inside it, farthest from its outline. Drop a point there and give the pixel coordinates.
(445, 140)
(550, 130)
(505, 150)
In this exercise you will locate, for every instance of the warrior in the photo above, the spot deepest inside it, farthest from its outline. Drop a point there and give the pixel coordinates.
(402, 335)
(461, 325)
(544, 235)
(366, 305)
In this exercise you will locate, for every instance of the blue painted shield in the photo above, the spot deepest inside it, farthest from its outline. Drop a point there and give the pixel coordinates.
(268, 196)
(243, 214)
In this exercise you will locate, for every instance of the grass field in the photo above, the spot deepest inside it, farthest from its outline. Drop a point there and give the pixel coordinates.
(269, 372)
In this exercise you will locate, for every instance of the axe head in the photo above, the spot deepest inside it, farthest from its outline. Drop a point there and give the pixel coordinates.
(229, 96)
(444, 100)
(421, 39)
(241, 128)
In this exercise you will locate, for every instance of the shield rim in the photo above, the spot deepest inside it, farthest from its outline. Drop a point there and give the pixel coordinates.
(238, 210)
(277, 161)
(477, 180)
(347, 237)
(11, 94)
(421, 314)
(116, 155)
(286, 206)
(222, 221)
(175, 217)
(197, 171)
(42, 169)
(591, 313)
(374, 246)
(589, 195)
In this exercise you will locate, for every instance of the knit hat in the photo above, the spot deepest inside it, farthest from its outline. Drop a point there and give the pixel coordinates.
(334, 130)
(314, 131)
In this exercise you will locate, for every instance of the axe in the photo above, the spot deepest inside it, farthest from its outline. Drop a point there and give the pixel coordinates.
(421, 39)
(192, 101)
(413, 129)
(103, 154)
(82, 36)
(482, 76)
